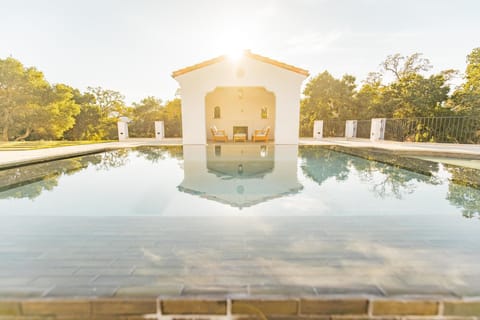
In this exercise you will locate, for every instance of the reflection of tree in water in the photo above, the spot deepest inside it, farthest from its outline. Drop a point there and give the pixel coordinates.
(112, 159)
(390, 181)
(32, 190)
(464, 197)
(30, 181)
(155, 154)
(320, 164)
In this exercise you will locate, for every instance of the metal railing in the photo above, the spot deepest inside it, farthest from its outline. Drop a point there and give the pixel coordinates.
(336, 128)
(434, 129)
(333, 128)
(363, 128)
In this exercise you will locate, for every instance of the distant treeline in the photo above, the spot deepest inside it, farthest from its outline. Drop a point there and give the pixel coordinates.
(32, 109)
(409, 94)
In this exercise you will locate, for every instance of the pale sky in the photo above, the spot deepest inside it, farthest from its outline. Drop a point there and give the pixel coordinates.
(133, 46)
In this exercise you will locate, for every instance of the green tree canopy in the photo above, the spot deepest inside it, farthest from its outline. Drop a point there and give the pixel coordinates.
(151, 109)
(144, 114)
(110, 102)
(466, 98)
(327, 98)
(404, 66)
(172, 116)
(29, 104)
(99, 112)
(410, 94)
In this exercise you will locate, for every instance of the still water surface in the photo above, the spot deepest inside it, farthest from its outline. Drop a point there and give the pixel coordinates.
(228, 181)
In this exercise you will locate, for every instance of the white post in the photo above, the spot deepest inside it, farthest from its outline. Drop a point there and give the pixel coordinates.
(377, 131)
(318, 129)
(159, 130)
(122, 130)
(351, 129)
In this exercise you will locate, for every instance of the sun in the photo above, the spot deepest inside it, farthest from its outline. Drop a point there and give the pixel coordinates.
(234, 43)
(235, 54)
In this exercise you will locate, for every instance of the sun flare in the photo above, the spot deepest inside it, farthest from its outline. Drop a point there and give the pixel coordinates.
(234, 43)
(235, 54)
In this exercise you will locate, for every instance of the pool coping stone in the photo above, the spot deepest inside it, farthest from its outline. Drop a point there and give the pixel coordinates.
(272, 307)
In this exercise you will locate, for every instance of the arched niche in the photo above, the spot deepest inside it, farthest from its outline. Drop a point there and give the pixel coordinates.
(240, 108)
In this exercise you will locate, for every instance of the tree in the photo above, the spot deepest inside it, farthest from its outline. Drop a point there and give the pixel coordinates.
(151, 109)
(99, 111)
(416, 96)
(20, 89)
(55, 115)
(145, 113)
(410, 94)
(466, 98)
(110, 104)
(88, 121)
(369, 98)
(404, 66)
(29, 105)
(327, 98)
(172, 116)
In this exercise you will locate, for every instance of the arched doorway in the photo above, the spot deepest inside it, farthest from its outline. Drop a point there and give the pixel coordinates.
(240, 109)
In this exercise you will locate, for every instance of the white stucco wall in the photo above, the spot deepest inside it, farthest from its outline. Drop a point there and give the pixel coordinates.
(246, 72)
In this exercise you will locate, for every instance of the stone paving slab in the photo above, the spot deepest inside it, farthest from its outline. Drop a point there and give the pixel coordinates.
(377, 263)
(412, 147)
(10, 159)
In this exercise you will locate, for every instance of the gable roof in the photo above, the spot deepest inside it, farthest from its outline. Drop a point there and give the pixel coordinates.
(246, 53)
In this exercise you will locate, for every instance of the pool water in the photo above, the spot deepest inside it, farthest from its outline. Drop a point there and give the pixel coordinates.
(235, 219)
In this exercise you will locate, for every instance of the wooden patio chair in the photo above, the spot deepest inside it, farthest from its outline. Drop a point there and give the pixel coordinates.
(261, 135)
(219, 135)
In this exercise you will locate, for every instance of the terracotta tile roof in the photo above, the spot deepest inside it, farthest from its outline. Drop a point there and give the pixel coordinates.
(246, 53)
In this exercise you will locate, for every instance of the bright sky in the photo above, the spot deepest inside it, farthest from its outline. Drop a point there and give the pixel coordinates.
(133, 46)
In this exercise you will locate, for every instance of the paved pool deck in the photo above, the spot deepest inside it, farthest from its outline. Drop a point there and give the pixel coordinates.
(14, 158)
(299, 268)
(446, 149)
(23, 157)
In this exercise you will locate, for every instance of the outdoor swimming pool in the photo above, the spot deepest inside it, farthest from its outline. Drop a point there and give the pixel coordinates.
(235, 219)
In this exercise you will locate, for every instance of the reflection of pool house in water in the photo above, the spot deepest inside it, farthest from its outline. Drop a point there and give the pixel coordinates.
(240, 175)
(240, 96)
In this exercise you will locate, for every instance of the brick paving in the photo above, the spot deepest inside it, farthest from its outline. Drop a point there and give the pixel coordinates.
(174, 257)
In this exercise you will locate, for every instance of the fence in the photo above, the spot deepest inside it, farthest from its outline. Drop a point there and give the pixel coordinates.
(423, 129)
(333, 128)
(363, 128)
(434, 129)
(336, 128)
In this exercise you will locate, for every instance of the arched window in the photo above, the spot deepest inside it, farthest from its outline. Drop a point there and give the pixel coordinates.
(264, 113)
(216, 112)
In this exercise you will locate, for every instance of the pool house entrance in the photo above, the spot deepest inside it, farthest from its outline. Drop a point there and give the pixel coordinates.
(239, 111)
(240, 95)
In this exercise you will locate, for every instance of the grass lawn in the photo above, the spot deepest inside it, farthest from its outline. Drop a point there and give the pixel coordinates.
(34, 145)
